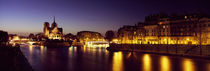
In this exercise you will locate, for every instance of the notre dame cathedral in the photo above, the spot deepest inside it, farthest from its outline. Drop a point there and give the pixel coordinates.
(53, 32)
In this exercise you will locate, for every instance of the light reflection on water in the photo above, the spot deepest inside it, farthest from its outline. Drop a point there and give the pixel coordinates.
(165, 63)
(188, 65)
(30, 52)
(30, 49)
(99, 59)
(146, 62)
(208, 66)
(42, 49)
(117, 61)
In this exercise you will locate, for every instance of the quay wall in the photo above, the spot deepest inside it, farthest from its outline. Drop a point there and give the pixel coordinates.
(12, 59)
(192, 50)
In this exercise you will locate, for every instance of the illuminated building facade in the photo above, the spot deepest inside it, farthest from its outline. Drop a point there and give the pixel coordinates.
(131, 34)
(86, 36)
(52, 32)
(168, 29)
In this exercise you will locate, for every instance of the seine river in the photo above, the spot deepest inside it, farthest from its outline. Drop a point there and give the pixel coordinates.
(99, 59)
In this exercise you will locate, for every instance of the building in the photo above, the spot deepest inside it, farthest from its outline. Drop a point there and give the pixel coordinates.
(131, 34)
(190, 29)
(168, 29)
(53, 32)
(70, 36)
(87, 36)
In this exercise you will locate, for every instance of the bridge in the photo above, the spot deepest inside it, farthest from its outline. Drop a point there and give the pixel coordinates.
(21, 41)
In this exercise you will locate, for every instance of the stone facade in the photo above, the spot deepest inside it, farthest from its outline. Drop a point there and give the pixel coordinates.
(168, 29)
(86, 36)
(53, 32)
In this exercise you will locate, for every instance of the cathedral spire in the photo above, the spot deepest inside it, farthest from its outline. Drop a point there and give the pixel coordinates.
(54, 23)
(54, 19)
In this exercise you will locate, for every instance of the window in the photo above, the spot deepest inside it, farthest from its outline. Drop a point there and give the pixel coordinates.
(164, 26)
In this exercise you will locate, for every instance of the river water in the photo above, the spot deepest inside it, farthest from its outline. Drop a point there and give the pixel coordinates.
(99, 59)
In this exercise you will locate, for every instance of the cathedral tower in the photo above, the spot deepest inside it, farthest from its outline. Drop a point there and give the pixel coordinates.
(54, 24)
(46, 29)
(52, 32)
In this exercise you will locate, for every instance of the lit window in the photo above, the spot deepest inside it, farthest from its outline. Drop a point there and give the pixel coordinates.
(164, 26)
(160, 23)
(185, 17)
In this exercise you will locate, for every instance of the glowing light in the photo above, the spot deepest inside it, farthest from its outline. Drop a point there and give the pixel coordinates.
(70, 51)
(31, 43)
(115, 40)
(16, 38)
(30, 48)
(42, 50)
(188, 65)
(97, 44)
(160, 23)
(106, 52)
(55, 36)
(185, 17)
(208, 67)
(117, 61)
(163, 40)
(129, 55)
(75, 49)
(164, 26)
(188, 39)
(146, 62)
(165, 63)
(85, 49)
(30, 52)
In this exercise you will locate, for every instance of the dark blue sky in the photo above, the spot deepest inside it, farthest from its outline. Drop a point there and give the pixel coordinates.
(25, 16)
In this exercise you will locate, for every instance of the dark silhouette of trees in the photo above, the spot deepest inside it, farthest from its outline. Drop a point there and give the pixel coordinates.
(31, 36)
(109, 35)
(70, 36)
(4, 38)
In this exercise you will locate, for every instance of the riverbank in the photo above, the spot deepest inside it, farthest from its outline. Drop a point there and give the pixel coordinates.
(12, 59)
(56, 43)
(180, 50)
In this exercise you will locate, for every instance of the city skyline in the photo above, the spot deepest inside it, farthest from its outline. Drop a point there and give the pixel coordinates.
(104, 35)
(74, 16)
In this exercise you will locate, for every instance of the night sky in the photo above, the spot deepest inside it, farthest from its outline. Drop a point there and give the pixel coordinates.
(25, 16)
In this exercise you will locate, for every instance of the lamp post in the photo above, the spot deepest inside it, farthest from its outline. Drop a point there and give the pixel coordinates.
(177, 42)
(167, 37)
(200, 32)
(133, 34)
(159, 34)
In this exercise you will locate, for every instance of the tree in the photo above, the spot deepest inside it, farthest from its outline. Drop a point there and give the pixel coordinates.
(70, 36)
(31, 36)
(4, 37)
(109, 35)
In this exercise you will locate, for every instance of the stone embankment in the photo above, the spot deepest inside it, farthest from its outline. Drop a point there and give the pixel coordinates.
(12, 59)
(185, 50)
